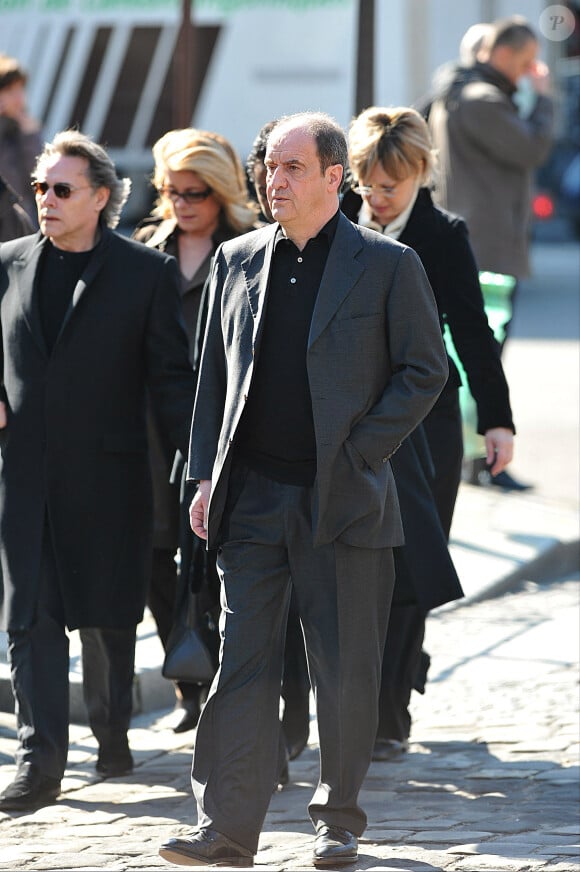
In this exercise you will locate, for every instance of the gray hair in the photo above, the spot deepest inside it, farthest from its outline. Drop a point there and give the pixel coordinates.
(328, 134)
(101, 171)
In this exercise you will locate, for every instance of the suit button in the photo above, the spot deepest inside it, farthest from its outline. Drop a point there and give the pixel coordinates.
(385, 460)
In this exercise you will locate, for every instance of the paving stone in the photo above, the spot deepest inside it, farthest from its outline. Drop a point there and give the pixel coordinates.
(565, 831)
(564, 866)
(458, 802)
(423, 836)
(509, 850)
(491, 863)
(560, 776)
(502, 774)
(560, 850)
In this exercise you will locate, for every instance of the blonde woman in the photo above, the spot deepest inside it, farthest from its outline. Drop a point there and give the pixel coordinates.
(202, 201)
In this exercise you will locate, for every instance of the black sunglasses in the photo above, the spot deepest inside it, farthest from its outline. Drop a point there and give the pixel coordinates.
(188, 197)
(62, 190)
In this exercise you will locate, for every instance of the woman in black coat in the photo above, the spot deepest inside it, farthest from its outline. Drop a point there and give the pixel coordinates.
(391, 162)
(203, 201)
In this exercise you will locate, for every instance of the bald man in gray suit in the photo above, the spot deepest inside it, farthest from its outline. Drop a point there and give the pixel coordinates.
(322, 352)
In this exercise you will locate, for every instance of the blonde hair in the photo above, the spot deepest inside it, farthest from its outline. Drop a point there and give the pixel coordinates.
(397, 138)
(215, 161)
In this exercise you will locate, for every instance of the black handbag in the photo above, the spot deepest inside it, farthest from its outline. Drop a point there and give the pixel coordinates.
(187, 657)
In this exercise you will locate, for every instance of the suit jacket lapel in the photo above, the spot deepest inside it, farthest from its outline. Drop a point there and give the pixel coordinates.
(340, 274)
(27, 283)
(92, 269)
(256, 269)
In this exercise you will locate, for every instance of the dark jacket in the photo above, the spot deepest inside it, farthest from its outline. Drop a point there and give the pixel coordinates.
(441, 241)
(487, 153)
(162, 235)
(18, 153)
(14, 221)
(425, 573)
(75, 449)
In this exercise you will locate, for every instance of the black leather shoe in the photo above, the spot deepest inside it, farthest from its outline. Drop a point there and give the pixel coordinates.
(479, 474)
(190, 713)
(206, 847)
(283, 777)
(112, 764)
(508, 482)
(334, 846)
(389, 749)
(29, 790)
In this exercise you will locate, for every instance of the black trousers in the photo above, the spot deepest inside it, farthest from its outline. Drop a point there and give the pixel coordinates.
(406, 632)
(343, 596)
(39, 664)
(400, 666)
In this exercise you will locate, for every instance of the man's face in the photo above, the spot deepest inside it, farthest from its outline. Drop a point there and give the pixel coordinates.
(260, 173)
(515, 63)
(13, 100)
(71, 223)
(299, 193)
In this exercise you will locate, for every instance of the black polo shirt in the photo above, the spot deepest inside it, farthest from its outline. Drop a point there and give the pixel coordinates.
(276, 432)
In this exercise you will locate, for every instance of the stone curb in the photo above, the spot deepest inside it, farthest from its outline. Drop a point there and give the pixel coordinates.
(560, 559)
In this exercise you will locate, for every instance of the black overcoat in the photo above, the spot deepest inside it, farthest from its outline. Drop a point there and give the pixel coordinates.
(441, 240)
(75, 447)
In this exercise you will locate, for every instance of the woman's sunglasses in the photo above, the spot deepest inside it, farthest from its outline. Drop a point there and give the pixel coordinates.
(62, 190)
(188, 197)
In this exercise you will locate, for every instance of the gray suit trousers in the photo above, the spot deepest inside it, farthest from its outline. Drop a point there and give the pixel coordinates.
(344, 596)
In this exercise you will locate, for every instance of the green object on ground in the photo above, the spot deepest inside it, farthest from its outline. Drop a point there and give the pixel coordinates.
(497, 293)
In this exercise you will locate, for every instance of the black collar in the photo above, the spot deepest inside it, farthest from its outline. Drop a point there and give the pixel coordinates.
(328, 231)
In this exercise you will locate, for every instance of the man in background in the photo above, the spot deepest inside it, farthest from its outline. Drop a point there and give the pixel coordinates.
(488, 153)
(20, 134)
(14, 221)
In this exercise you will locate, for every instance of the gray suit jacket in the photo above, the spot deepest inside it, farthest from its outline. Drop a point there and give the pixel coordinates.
(376, 364)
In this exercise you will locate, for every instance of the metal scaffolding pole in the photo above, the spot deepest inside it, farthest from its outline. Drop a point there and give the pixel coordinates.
(183, 68)
(365, 62)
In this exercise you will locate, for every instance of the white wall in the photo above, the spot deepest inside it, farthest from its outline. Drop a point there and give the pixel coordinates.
(270, 59)
(271, 62)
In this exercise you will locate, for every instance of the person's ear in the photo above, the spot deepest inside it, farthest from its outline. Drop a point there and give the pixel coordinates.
(334, 175)
(101, 198)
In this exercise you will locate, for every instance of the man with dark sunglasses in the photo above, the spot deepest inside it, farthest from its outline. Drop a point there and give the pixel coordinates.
(90, 324)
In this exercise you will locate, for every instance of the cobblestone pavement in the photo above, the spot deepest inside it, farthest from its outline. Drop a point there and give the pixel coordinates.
(490, 783)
